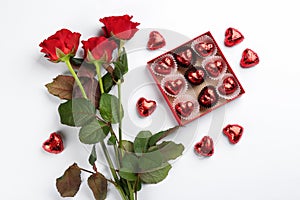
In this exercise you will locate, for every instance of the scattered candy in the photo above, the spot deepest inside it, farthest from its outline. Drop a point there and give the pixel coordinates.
(249, 59)
(156, 41)
(233, 37)
(234, 132)
(54, 144)
(145, 107)
(205, 147)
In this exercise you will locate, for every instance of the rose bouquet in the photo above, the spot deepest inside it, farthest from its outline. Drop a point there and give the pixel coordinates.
(89, 105)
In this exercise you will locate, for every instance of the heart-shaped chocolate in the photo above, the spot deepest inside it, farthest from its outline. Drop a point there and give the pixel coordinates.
(232, 37)
(173, 87)
(156, 41)
(234, 132)
(205, 147)
(184, 109)
(208, 96)
(215, 68)
(195, 75)
(54, 144)
(228, 86)
(145, 107)
(165, 65)
(205, 49)
(185, 56)
(249, 58)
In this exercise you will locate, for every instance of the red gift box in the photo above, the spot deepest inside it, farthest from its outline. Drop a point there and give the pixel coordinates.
(195, 78)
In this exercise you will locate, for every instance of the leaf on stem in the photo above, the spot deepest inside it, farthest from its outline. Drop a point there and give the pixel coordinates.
(93, 132)
(62, 87)
(140, 144)
(150, 161)
(68, 184)
(98, 184)
(76, 112)
(109, 108)
(157, 175)
(93, 156)
(160, 135)
(129, 167)
(108, 82)
(169, 150)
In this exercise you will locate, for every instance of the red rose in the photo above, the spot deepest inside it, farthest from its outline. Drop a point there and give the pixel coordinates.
(62, 43)
(119, 26)
(98, 49)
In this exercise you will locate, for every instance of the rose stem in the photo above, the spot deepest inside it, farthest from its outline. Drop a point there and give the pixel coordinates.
(67, 61)
(99, 76)
(120, 109)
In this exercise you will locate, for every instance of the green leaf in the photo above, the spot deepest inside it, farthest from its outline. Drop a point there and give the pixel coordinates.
(118, 71)
(112, 140)
(68, 184)
(169, 150)
(127, 146)
(150, 161)
(160, 135)
(76, 112)
(61, 86)
(98, 184)
(93, 132)
(76, 61)
(129, 167)
(109, 108)
(93, 156)
(130, 162)
(123, 60)
(126, 174)
(140, 144)
(156, 176)
(108, 82)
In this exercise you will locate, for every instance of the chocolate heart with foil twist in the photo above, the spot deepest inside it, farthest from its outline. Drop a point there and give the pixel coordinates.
(249, 58)
(165, 65)
(184, 109)
(228, 86)
(208, 96)
(173, 87)
(54, 144)
(205, 147)
(156, 41)
(195, 75)
(215, 68)
(185, 57)
(205, 48)
(233, 37)
(234, 132)
(145, 107)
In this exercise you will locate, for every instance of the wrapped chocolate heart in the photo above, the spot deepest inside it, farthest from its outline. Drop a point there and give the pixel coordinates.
(185, 56)
(204, 46)
(164, 65)
(215, 67)
(186, 106)
(228, 87)
(174, 85)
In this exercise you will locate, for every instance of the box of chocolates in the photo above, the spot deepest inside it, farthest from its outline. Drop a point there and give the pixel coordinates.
(195, 78)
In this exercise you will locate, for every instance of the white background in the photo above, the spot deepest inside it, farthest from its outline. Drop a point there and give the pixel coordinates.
(265, 164)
